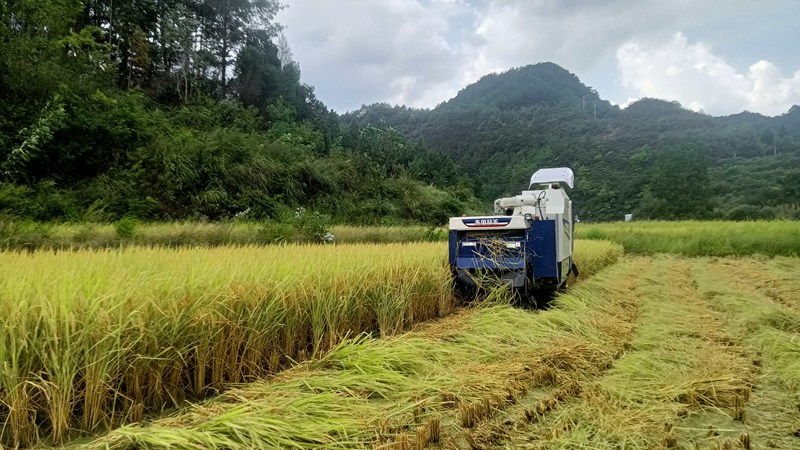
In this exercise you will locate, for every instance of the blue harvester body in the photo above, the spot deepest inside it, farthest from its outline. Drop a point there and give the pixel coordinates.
(527, 244)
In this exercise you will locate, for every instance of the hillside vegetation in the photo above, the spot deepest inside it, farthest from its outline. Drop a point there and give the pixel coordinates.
(189, 110)
(652, 158)
(177, 110)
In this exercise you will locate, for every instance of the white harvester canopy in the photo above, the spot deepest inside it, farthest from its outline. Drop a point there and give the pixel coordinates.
(561, 175)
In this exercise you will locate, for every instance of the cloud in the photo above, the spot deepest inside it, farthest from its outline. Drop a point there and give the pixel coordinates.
(422, 52)
(573, 34)
(693, 75)
(357, 52)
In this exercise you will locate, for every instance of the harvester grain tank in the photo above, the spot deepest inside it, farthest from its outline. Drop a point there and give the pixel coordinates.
(528, 243)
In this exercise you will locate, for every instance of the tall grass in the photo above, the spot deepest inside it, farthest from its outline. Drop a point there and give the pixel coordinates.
(697, 238)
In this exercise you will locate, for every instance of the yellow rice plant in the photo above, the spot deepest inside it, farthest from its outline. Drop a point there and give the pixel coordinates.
(591, 256)
(93, 339)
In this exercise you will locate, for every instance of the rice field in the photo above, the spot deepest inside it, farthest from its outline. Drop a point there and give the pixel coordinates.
(698, 238)
(677, 341)
(95, 339)
(650, 353)
(415, 390)
(31, 236)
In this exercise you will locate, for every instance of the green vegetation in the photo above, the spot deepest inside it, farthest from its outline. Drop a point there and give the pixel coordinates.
(180, 110)
(696, 238)
(653, 158)
(303, 228)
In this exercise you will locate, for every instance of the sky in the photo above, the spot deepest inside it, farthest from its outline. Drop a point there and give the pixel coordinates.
(720, 57)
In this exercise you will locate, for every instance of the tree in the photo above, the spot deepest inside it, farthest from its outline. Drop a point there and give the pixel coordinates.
(677, 186)
(790, 188)
(228, 23)
(259, 73)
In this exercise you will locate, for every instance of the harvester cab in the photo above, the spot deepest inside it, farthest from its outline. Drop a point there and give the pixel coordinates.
(527, 244)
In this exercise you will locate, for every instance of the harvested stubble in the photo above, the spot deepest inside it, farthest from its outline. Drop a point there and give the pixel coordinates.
(367, 392)
(686, 380)
(91, 339)
(762, 300)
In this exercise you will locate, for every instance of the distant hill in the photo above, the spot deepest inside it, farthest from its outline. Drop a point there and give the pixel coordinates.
(634, 159)
(543, 84)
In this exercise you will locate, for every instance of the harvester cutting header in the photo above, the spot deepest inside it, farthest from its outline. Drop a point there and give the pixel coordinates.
(527, 244)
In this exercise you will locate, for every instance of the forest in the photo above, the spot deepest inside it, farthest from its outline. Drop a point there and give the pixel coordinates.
(183, 109)
(164, 110)
(653, 158)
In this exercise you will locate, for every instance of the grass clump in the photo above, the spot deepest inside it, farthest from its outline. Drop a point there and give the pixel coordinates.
(125, 228)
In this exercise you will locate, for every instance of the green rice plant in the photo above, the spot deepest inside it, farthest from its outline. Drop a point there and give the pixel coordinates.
(126, 227)
(127, 231)
(379, 234)
(700, 238)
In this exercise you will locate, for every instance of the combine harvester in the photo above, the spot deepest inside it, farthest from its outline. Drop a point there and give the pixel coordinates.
(527, 245)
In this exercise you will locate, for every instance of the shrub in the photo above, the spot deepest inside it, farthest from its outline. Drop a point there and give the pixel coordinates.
(126, 227)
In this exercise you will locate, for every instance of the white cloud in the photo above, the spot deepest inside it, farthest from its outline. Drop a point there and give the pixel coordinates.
(579, 35)
(699, 79)
(421, 52)
(357, 52)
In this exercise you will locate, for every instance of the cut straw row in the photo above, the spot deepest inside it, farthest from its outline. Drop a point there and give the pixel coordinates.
(412, 390)
(93, 340)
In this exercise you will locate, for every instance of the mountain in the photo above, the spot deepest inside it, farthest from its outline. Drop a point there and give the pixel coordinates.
(544, 84)
(633, 159)
(149, 117)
